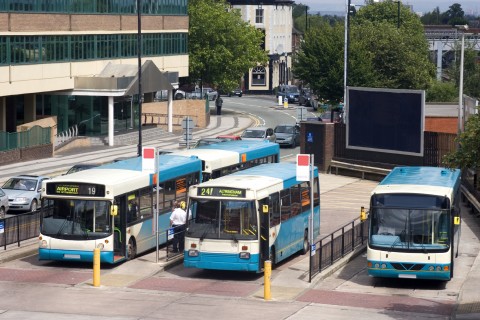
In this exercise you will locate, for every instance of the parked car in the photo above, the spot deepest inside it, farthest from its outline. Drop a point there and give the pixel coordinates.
(3, 203)
(205, 92)
(229, 137)
(259, 133)
(308, 99)
(288, 91)
(81, 167)
(24, 192)
(287, 134)
(236, 92)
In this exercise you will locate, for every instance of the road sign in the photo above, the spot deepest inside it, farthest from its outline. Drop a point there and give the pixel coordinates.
(302, 114)
(303, 167)
(149, 159)
(187, 123)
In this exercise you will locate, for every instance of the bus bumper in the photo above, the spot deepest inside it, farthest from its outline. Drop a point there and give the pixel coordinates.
(71, 255)
(217, 261)
(409, 270)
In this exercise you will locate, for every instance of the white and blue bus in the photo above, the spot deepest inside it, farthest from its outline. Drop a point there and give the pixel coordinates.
(243, 219)
(414, 224)
(111, 207)
(223, 158)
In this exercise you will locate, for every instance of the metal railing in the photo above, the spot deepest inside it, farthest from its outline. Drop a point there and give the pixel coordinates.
(337, 245)
(34, 136)
(19, 228)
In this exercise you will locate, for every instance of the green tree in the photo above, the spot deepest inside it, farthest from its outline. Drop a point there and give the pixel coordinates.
(442, 92)
(455, 15)
(380, 54)
(431, 18)
(222, 47)
(468, 154)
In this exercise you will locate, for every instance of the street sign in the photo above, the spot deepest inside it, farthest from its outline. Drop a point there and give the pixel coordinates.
(302, 114)
(303, 167)
(149, 159)
(187, 123)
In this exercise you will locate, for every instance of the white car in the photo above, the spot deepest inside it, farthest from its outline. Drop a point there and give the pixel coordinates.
(3, 203)
(24, 192)
(259, 133)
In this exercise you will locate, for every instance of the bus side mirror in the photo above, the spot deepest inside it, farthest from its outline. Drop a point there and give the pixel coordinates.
(114, 210)
(363, 214)
(265, 208)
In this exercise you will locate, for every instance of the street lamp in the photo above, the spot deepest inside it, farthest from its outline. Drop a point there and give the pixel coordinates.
(460, 85)
(139, 54)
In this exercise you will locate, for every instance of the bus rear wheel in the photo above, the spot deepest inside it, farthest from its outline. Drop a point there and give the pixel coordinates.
(131, 249)
(305, 243)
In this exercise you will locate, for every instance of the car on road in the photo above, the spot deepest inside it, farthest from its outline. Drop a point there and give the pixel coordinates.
(289, 92)
(308, 99)
(229, 137)
(208, 141)
(81, 167)
(3, 203)
(23, 192)
(259, 133)
(287, 135)
(236, 92)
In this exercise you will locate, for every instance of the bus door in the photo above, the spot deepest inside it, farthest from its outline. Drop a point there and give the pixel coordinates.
(119, 229)
(264, 231)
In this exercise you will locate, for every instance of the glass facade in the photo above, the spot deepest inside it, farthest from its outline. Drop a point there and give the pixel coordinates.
(149, 7)
(66, 48)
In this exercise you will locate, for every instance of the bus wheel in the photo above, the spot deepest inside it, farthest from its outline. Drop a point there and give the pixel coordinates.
(305, 243)
(132, 249)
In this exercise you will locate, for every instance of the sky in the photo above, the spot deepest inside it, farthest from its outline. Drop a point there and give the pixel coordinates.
(468, 6)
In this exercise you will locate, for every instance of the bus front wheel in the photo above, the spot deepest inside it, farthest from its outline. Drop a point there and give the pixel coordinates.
(132, 249)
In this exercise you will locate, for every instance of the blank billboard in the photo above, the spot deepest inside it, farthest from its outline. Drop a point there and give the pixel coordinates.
(385, 120)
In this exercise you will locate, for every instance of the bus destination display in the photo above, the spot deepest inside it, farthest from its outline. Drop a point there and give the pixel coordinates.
(76, 189)
(221, 192)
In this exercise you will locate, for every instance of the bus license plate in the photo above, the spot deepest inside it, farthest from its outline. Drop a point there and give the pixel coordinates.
(407, 276)
(71, 256)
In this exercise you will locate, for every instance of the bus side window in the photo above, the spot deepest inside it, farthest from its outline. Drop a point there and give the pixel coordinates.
(145, 204)
(296, 200)
(274, 209)
(286, 204)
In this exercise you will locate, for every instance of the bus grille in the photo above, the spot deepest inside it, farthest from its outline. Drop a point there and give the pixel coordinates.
(408, 266)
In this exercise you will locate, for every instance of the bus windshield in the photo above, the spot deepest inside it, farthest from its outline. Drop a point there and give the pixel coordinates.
(420, 223)
(76, 219)
(223, 219)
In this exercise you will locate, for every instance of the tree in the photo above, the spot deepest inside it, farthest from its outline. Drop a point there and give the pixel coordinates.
(380, 55)
(468, 154)
(442, 92)
(222, 47)
(455, 15)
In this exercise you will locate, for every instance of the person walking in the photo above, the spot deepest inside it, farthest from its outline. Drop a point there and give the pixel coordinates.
(178, 218)
(218, 104)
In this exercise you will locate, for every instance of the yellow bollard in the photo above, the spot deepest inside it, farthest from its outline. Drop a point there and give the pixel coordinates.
(285, 103)
(96, 267)
(267, 276)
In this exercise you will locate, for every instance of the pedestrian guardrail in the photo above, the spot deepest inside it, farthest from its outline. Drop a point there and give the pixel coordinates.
(337, 245)
(19, 228)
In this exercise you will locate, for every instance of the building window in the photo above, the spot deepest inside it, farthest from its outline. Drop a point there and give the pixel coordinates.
(258, 76)
(258, 15)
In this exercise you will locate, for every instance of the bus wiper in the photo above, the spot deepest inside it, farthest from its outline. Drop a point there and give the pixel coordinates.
(204, 234)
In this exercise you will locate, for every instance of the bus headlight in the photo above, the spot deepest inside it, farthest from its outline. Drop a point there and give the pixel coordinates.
(377, 265)
(193, 253)
(244, 255)
(100, 246)
(438, 268)
(43, 244)
(431, 268)
(384, 265)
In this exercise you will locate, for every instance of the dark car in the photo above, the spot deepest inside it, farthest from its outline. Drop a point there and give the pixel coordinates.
(287, 135)
(308, 99)
(81, 167)
(291, 93)
(236, 92)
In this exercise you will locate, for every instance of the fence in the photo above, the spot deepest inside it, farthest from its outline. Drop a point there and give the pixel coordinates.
(34, 136)
(336, 245)
(19, 228)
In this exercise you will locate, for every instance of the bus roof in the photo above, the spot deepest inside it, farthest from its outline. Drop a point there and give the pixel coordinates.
(425, 180)
(259, 177)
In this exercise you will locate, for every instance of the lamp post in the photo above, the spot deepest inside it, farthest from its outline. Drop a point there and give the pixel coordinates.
(460, 85)
(345, 50)
(139, 53)
(286, 68)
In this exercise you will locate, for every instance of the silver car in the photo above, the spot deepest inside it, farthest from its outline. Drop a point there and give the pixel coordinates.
(3, 203)
(23, 192)
(259, 133)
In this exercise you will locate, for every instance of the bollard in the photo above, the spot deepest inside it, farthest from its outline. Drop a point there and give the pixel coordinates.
(96, 267)
(280, 100)
(267, 276)
(285, 103)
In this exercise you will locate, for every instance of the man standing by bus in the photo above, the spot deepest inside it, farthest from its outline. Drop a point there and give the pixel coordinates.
(178, 218)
